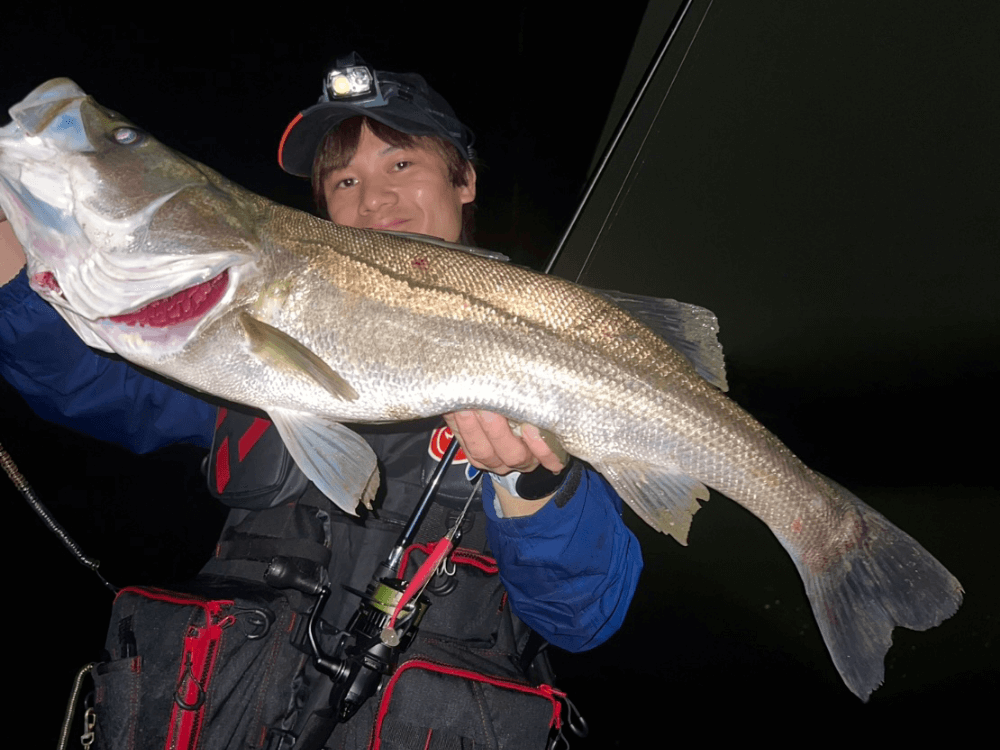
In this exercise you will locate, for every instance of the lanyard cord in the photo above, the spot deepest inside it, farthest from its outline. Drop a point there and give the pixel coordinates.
(51, 523)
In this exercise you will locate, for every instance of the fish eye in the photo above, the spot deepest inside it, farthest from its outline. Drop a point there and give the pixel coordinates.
(126, 136)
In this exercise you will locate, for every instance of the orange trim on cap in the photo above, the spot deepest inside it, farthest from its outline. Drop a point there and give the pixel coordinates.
(284, 137)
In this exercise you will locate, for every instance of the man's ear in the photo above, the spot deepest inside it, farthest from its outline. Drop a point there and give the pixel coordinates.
(467, 192)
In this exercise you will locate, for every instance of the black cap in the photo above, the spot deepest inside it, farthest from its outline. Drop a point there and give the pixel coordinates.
(402, 101)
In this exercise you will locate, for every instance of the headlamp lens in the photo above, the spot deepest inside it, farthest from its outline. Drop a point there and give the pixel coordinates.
(349, 82)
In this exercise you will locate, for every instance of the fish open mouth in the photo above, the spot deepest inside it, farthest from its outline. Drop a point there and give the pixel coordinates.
(164, 325)
(187, 304)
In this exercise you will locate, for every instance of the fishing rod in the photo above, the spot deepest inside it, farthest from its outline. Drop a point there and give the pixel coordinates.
(391, 563)
(384, 624)
(665, 44)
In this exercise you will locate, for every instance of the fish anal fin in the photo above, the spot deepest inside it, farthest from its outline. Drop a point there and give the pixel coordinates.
(665, 499)
(334, 458)
(281, 351)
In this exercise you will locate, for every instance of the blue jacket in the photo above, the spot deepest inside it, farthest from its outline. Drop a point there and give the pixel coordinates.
(570, 571)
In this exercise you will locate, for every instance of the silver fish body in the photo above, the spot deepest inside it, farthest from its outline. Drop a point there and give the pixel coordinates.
(163, 261)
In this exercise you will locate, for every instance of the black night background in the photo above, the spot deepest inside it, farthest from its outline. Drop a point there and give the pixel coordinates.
(825, 179)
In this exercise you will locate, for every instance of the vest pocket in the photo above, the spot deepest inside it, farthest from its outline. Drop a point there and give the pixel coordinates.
(117, 687)
(427, 704)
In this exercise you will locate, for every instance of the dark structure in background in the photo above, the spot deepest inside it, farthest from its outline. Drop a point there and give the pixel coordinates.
(824, 177)
(827, 181)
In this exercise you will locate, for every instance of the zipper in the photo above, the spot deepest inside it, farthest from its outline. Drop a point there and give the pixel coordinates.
(545, 691)
(198, 659)
(211, 607)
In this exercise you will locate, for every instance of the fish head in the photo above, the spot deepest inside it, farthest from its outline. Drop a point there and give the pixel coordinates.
(135, 245)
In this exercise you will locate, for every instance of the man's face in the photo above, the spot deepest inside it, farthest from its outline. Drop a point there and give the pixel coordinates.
(397, 189)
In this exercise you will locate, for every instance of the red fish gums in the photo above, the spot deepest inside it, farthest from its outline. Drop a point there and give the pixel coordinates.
(178, 308)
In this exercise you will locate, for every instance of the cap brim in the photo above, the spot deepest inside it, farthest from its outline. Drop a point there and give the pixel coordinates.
(303, 136)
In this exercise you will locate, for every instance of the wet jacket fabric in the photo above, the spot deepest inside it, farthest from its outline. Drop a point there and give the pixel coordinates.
(67, 383)
(569, 571)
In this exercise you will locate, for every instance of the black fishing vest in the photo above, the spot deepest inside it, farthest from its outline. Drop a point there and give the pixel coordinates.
(464, 680)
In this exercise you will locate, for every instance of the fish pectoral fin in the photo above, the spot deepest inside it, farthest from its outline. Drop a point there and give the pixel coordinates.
(691, 330)
(665, 499)
(282, 352)
(334, 458)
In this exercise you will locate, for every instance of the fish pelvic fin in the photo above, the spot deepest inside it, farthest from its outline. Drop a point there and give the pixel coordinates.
(885, 580)
(334, 458)
(666, 500)
(282, 352)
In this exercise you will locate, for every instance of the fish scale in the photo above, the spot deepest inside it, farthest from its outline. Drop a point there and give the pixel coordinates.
(319, 324)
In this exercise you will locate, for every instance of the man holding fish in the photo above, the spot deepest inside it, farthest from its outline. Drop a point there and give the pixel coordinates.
(384, 152)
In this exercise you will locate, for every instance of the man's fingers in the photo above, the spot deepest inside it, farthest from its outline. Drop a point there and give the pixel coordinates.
(541, 448)
(490, 444)
(477, 445)
(511, 449)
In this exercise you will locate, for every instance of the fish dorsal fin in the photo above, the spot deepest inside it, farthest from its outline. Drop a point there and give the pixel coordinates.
(478, 251)
(666, 500)
(334, 458)
(284, 353)
(691, 330)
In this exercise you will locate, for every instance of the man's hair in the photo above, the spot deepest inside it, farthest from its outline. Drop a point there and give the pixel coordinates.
(341, 144)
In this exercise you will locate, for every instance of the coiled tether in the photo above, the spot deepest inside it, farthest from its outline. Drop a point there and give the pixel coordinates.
(53, 525)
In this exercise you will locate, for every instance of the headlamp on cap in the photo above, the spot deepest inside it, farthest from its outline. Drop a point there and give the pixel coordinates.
(403, 101)
(351, 83)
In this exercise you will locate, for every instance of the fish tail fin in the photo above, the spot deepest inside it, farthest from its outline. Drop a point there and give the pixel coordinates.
(886, 580)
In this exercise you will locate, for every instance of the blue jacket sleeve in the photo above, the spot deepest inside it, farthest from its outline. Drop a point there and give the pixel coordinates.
(66, 382)
(570, 571)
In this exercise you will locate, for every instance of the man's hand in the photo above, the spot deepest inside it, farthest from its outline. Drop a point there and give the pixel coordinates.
(11, 254)
(491, 445)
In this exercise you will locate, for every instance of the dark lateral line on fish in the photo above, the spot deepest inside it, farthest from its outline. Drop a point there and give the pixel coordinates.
(441, 288)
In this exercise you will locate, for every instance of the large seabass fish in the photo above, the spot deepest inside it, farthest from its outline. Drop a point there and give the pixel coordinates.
(158, 258)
